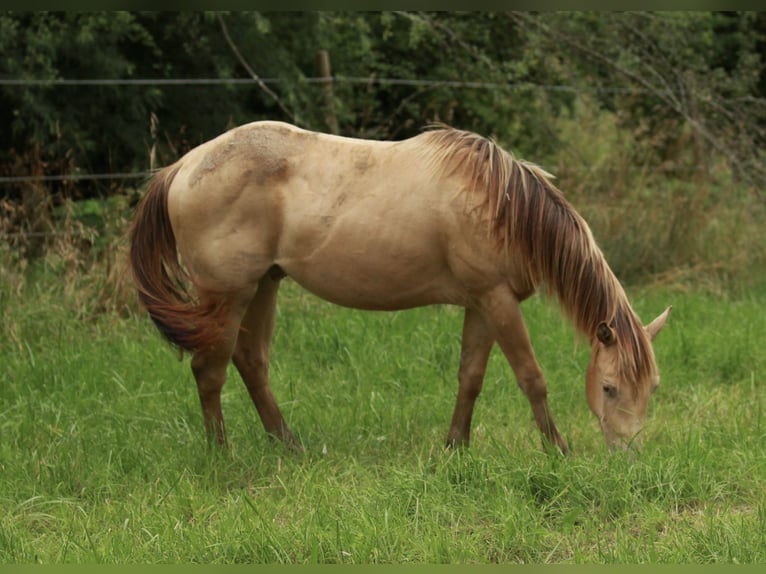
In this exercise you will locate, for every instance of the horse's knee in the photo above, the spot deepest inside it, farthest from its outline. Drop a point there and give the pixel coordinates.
(210, 376)
(534, 387)
(471, 376)
(471, 383)
(251, 363)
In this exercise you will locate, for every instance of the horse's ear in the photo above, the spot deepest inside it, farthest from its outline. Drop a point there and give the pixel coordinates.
(606, 334)
(656, 326)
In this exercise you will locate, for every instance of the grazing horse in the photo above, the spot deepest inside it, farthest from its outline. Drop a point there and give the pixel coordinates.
(445, 217)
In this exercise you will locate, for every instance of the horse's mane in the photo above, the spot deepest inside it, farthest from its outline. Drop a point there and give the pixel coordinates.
(527, 213)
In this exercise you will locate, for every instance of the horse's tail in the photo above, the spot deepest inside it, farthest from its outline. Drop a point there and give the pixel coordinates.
(159, 277)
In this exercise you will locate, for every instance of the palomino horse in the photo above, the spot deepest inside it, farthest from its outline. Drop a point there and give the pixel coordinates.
(444, 217)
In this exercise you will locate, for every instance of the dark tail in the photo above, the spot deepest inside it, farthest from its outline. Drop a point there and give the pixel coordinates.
(159, 277)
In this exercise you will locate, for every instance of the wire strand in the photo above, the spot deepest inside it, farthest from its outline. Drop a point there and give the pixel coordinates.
(42, 82)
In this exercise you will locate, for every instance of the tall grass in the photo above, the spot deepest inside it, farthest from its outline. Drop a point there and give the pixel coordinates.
(103, 457)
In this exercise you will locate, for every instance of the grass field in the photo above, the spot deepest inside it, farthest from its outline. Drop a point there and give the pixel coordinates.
(103, 457)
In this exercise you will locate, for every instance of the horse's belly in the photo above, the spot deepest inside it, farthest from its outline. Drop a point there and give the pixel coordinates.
(370, 278)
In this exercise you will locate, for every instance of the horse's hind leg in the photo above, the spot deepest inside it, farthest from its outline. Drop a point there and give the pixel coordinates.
(251, 357)
(209, 368)
(474, 355)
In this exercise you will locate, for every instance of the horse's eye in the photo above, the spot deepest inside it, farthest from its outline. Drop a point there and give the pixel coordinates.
(610, 390)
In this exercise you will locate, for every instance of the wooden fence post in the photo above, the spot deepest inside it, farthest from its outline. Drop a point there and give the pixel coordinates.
(325, 72)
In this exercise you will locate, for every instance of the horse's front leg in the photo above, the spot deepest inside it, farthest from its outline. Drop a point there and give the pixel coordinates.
(474, 355)
(502, 310)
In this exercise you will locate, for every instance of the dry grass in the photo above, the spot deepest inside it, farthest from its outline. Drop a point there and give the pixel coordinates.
(78, 258)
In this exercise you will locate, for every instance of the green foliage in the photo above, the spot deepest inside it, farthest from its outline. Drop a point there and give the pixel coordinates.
(683, 79)
(685, 225)
(73, 122)
(480, 48)
(117, 127)
(693, 72)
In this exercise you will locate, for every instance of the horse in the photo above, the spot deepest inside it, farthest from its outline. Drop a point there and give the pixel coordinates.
(444, 217)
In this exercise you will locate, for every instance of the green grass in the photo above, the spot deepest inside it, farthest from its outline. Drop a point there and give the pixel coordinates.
(103, 457)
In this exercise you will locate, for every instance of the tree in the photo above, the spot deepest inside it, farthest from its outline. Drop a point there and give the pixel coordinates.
(676, 80)
(692, 80)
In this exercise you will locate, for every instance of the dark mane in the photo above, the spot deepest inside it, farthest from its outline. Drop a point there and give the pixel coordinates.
(526, 213)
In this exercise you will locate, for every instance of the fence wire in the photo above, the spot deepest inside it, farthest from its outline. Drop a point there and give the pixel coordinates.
(425, 83)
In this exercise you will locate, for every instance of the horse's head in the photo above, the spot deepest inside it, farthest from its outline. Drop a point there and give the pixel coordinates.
(620, 404)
